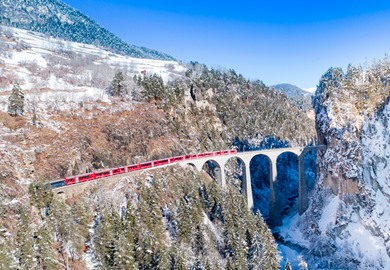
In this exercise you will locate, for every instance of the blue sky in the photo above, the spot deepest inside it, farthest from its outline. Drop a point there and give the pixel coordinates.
(274, 41)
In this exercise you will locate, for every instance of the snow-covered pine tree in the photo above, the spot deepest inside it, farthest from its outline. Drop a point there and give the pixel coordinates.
(152, 247)
(131, 234)
(6, 262)
(271, 256)
(288, 265)
(16, 101)
(177, 261)
(25, 240)
(229, 264)
(61, 225)
(118, 87)
(105, 241)
(256, 253)
(207, 265)
(45, 252)
(198, 265)
(184, 220)
(199, 241)
(116, 231)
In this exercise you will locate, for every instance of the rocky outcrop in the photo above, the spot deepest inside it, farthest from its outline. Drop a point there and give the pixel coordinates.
(346, 223)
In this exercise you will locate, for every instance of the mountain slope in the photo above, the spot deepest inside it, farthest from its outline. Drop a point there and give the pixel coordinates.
(290, 90)
(57, 19)
(298, 96)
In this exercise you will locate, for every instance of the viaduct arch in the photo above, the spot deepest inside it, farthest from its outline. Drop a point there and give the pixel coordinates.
(272, 155)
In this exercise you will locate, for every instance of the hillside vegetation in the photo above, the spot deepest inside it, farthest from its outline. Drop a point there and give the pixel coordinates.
(86, 109)
(57, 19)
(204, 110)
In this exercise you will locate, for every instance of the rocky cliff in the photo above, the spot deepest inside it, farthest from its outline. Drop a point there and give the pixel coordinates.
(347, 221)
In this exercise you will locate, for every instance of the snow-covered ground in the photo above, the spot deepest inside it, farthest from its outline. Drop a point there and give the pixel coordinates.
(54, 69)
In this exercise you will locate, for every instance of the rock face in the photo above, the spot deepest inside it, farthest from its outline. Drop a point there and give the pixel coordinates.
(347, 222)
(338, 124)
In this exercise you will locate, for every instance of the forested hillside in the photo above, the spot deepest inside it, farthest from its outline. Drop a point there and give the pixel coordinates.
(205, 110)
(57, 19)
(79, 109)
(167, 219)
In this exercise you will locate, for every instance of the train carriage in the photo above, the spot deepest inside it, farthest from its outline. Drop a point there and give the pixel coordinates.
(71, 180)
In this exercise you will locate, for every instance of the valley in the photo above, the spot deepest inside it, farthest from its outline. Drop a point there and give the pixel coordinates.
(303, 183)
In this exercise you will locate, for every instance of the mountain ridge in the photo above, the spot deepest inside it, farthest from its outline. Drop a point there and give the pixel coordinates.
(58, 19)
(290, 90)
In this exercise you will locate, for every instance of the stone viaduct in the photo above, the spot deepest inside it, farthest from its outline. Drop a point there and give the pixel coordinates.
(272, 155)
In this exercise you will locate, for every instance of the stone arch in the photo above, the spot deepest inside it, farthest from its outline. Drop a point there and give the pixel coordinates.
(235, 169)
(260, 171)
(213, 168)
(192, 165)
(287, 181)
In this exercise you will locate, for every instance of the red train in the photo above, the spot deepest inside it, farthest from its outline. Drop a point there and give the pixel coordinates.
(135, 167)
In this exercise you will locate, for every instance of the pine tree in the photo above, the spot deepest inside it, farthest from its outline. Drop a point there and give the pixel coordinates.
(152, 247)
(215, 201)
(184, 220)
(235, 211)
(115, 227)
(154, 88)
(256, 253)
(16, 101)
(60, 222)
(45, 251)
(131, 238)
(271, 257)
(198, 265)
(41, 197)
(25, 240)
(106, 241)
(118, 88)
(199, 241)
(207, 265)
(229, 264)
(5, 257)
(176, 260)
(288, 265)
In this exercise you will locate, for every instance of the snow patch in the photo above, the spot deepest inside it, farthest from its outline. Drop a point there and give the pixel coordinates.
(310, 89)
(329, 213)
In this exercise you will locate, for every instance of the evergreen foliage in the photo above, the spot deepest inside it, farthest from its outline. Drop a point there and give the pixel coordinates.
(247, 110)
(6, 260)
(118, 88)
(57, 19)
(142, 237)
(357, 90)
(45, 253)
(25, 241)
(16, 101)
(288, 265)
(41, 196)
(175, 220)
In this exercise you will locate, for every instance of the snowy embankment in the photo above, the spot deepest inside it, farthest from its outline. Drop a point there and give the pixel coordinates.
(54, 70)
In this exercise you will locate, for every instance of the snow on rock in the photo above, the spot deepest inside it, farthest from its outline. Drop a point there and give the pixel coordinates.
(347, 223)
(329, 213)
